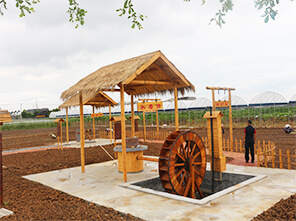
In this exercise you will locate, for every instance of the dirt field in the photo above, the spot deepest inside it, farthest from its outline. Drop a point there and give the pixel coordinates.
(33, 201)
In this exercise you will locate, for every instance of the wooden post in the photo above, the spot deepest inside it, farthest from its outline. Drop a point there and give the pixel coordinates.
(230, 121)
(240, 146)
(67, 125)
(157, 124)
(94, 126)
(258, 157)
(289, 161)
(133, 115)
(281, 160)
(236, 145)
(123, 132)
(144, 127)
(265, 156)
(213, 99)
(110, 124)
(81, 133)
(176, 109)
(61, 134)
(272, 157)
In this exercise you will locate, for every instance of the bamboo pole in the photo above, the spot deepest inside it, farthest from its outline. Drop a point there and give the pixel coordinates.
(133, 115)
(230, 121)
(272, 157)
(289, 160)
(176, 109)
(265, 156)
(81, 133)
(94, 127)
(123, 132)
(67, 125)
(281, 160)
(144, 127)
(110, 123)
(258, 157)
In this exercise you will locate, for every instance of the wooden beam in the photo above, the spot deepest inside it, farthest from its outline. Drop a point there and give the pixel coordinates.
(81, 133)
(133, 115)
(142, 68)
(94, 126)
(123, 134)
(176, 109)
(221, 88)
(67, 125)
(111, 89)
(175, 70)
(143, 82)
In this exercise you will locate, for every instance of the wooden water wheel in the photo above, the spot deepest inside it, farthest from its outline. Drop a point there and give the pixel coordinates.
(182, 163)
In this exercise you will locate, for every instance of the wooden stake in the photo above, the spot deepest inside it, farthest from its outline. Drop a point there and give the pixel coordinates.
(81, 133)
(289, 161)
(272, 157)
(1, 171)
(94, 126)
(133, 115)
(281, 160)
(144, 126)
(176, 109)
(67, 125)
(110, 124)
(123, 132)
(265, 156)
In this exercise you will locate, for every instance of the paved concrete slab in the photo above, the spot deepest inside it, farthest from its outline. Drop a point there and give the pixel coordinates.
(101, 184)
(89, 143)
(5, 212)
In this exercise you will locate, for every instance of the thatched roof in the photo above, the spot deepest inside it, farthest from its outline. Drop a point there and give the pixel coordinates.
(145, 74)
(98, 99)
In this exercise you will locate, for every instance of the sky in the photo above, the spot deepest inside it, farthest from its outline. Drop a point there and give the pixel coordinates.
(42, 54)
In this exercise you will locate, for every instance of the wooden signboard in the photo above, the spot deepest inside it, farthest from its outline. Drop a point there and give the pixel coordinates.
(97, 115)
(117, 130)
(221, 103)
(150, 106)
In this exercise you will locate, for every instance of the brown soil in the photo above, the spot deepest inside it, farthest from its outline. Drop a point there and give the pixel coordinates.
(34, 201)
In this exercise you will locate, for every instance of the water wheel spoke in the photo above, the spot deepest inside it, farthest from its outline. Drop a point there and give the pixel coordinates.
(183, 177)
(193, 149)
(182, 158)
(179, 164)
(197, 163)
(188, 185)
(179, 173)
(199, 191)
(198, 174)
(196, 155)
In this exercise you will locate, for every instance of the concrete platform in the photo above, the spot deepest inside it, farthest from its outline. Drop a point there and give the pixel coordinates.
(101, 184)
(5, 212)
(89, 143)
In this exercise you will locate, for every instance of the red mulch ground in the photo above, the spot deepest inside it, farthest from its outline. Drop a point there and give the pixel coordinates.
(34, 201)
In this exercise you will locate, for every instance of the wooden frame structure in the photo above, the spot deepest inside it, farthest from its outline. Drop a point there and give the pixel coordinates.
(97, 100)
(146, 74)
(229, 106)
(60, 131)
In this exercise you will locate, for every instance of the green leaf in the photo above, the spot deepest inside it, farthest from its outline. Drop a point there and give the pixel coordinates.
(266, 19)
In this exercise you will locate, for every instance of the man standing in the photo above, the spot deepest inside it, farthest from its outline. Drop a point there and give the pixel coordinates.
(250, 137)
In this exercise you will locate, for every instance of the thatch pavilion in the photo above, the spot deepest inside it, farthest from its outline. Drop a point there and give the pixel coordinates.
(146, 74)
(97, 100)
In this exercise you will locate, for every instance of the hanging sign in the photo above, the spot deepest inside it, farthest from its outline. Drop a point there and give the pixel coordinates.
(97, 115)
(221, 103)
(150, 106)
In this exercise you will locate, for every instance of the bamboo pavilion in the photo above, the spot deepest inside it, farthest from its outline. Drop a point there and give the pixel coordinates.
(145, 74)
